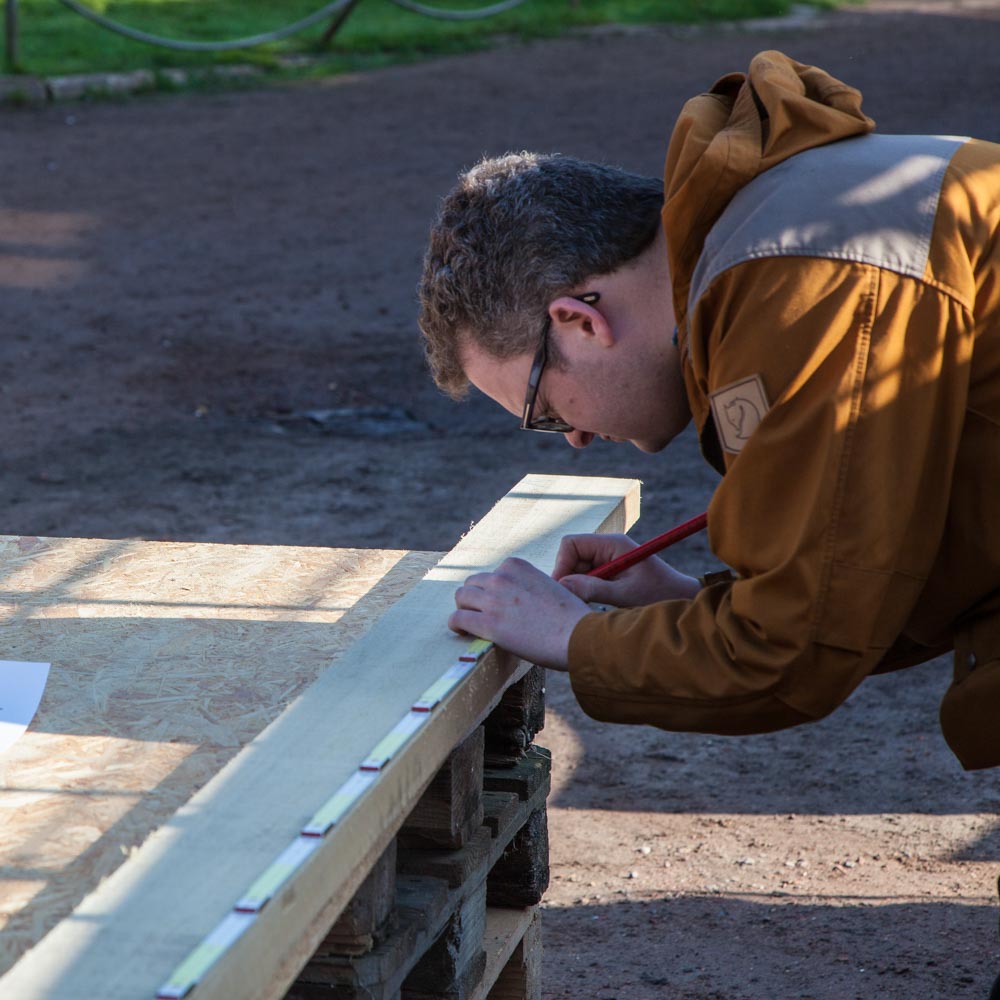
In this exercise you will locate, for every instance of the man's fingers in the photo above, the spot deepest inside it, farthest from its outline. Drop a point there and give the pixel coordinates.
(521, 609)
(466, 622)
(567, 558)
(579, 554)
(480, 580)
(476, 591)
(582, 553)
(469, 597)
(587, 588)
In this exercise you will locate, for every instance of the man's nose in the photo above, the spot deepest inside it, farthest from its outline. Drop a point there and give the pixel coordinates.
(579, 439)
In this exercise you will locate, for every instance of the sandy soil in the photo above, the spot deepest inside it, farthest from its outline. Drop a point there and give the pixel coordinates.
(208, 317)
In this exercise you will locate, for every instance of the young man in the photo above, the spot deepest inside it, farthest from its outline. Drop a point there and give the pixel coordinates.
(825, 303)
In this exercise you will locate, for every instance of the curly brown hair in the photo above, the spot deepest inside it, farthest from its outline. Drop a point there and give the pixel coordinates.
(516, 232)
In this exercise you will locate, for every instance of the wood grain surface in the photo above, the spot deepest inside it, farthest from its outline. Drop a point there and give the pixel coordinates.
(166, 660)
(135, 638)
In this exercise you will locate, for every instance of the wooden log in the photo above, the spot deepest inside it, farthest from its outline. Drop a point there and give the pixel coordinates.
(512, 726)
(451, 810)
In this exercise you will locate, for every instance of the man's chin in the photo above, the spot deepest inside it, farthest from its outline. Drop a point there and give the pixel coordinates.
(650, 447)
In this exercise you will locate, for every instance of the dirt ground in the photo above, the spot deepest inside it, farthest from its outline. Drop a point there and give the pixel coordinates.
(208, 333)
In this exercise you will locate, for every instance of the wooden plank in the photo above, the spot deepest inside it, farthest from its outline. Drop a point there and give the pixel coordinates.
(522, 778)
(435, 943)
(126, 938)
(521, 976)
(455, 962)
(505, 930)
(498, 807)
(167, 659)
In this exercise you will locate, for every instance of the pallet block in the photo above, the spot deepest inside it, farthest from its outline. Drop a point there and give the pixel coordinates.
(521, 874)
(453, 966)
(512, 726)
(451, 809)
(369, 911)
(438, 922)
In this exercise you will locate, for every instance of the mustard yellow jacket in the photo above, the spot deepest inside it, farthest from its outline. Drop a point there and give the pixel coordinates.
(837, 294)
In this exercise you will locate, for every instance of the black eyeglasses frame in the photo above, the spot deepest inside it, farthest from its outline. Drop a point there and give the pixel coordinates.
(546, 425)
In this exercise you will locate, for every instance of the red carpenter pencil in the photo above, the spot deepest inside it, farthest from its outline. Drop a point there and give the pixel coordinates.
(611, 569)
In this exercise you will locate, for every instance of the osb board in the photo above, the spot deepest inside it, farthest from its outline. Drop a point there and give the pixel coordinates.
(124, 939)
(166, 660)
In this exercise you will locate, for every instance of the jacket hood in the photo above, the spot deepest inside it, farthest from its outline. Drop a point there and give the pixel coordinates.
(744, 125)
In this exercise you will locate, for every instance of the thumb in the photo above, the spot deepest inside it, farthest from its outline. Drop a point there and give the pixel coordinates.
(588, 588)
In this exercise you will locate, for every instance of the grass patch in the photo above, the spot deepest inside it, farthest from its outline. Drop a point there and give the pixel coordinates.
(54, 40)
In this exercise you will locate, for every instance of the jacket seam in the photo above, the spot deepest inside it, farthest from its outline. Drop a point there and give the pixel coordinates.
(698, 222)
(758, 255)
(840, 491)
(953, 293)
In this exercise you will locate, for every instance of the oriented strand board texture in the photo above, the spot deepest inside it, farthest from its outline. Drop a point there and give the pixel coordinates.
(124, 938)
(166, 660)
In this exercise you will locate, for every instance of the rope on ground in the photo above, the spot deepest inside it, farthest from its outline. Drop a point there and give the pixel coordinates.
(185, 46)
(458, 15)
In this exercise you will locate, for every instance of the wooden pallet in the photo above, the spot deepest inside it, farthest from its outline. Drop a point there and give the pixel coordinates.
(428, 921)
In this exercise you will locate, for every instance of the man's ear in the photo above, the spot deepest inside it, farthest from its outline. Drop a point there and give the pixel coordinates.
(583, 319)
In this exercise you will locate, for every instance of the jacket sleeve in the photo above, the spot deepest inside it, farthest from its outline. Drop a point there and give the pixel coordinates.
(831, 513)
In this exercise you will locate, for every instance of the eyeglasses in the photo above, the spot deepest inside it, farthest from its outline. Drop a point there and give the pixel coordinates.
(549, 425)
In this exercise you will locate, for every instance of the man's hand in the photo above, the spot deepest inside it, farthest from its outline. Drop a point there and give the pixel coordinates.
(645, 583)
(521, 609)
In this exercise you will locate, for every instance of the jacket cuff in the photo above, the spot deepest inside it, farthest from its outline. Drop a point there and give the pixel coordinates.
(586, 670)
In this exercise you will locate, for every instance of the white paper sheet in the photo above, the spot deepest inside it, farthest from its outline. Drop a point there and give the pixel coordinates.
(21, 687)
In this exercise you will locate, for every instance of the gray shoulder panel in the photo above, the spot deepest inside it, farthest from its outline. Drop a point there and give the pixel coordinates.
(870, 199)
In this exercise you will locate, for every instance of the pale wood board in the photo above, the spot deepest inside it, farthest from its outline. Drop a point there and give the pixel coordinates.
(125, 938)
(167, 659)
(505, 930)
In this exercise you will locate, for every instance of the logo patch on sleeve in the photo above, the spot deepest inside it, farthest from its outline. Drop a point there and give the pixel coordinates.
(738, 408)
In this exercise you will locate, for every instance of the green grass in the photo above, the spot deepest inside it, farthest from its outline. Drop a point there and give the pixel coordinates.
(54, 40)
